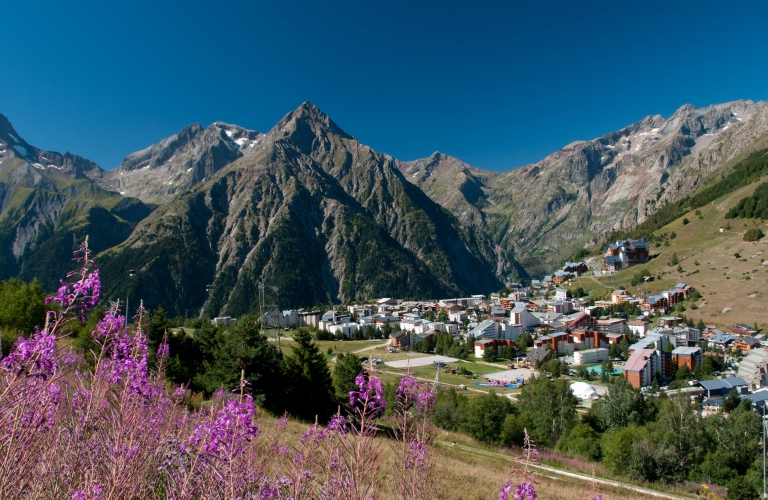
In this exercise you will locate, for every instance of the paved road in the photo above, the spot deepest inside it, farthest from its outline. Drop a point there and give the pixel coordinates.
(583, 477)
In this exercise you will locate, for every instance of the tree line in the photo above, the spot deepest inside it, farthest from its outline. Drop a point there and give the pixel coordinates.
(645, 438)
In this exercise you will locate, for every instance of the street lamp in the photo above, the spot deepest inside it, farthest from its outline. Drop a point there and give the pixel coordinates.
(131, 274)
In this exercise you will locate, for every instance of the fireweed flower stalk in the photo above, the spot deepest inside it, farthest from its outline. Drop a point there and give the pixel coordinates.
(343, 460)
(414, 463)
(522, 488)
(30, 381)
(116, 418)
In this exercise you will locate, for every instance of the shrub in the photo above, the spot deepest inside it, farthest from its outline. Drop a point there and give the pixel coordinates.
(686, 222)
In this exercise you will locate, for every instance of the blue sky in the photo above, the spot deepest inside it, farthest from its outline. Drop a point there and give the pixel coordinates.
(497, 84)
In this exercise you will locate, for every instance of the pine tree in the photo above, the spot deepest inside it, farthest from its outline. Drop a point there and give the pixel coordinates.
(310, 391)
(344, 373)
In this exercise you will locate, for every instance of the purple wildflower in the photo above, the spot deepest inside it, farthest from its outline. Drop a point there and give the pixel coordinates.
(416, 455)
(163, 351)
(233, 429)
(409, 397)
(368, 400)
(36, 356)
(338, 424)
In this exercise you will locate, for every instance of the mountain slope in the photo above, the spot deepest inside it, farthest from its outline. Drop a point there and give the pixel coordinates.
(48, 203)
(314, 212)
(177, 163)
(543, 213)
(728, 272)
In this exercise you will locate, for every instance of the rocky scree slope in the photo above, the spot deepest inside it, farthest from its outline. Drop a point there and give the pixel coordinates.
(313, 211)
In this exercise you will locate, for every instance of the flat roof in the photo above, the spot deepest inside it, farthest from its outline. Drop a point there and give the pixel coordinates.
(686, 350)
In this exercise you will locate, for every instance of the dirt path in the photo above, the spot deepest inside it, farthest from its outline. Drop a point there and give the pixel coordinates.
(584, 477)
(370, 347)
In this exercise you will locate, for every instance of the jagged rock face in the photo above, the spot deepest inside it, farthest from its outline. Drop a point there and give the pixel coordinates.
(314, 212)
(543, 212)
(176, 164)
(48, 203)
(310, 209)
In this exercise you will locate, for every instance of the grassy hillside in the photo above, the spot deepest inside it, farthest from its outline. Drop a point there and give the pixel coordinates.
(468, 471)
(728, 271)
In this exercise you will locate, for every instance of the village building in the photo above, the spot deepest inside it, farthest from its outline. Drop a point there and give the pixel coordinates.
(754, 369)
(741, 329)
(688, 356)
(587, 356)
(641, 367)
(537, 355)
(625, 253)
(638, 326)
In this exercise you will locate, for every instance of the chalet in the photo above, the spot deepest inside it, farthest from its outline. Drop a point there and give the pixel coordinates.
(400, 340)
(385, 305)
(576, 268)
(363, 310)
(613, 263)
(670, 321)
(560, 277)
(537, 355)
(686, 290)
(625, 253)
(722, 341)
(418, 338)
(382, 321)
(548, 280)
(718, 389)
(745, 343)
(742, 329)
(655, 303)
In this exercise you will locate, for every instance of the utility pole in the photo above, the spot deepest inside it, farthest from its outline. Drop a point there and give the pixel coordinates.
(131, 274)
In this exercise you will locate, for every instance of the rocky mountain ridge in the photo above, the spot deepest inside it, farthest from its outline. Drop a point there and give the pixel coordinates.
(48, 201)
(314, 212)
(179, 162)
(543, 213)
(326, 218)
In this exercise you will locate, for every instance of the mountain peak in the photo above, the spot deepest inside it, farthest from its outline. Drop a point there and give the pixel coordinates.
(306, 124)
